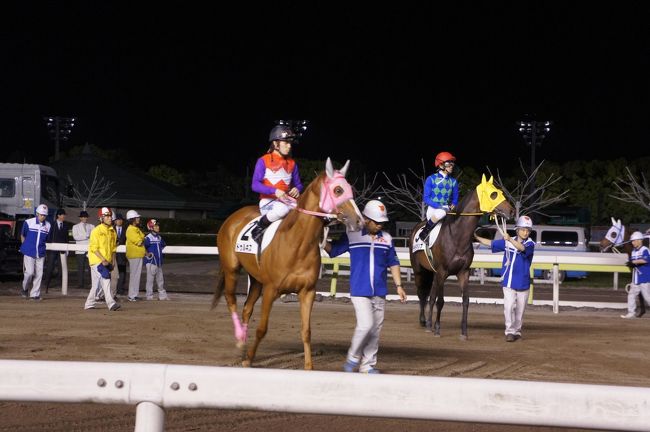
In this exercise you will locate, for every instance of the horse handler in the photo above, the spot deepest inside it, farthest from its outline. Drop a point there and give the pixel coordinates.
(515, 280)
(371, 253)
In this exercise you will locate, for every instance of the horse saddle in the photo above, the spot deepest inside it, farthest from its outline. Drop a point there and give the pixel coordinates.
(245, 242)
(418, 245)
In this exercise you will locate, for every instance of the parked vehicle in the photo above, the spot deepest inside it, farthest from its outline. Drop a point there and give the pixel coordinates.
(22, 188)
(547, 238)
(25, 186)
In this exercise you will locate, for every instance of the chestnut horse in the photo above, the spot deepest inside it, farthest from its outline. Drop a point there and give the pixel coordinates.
(452, 252)
(290, 263)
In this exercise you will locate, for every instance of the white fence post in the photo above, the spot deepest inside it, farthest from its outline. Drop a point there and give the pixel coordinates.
(149, 417)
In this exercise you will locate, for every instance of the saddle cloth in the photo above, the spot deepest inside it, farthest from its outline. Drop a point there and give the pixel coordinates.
(419, 245)
(245, 242)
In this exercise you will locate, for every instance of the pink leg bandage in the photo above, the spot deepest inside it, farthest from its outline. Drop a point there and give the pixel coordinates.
(240, 331)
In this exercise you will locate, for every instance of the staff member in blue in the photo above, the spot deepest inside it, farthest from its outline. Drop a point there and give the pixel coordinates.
(517, 259)
(371, 253)
(33, 237)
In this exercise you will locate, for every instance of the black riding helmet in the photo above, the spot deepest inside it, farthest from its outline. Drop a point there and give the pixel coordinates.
(282, 133)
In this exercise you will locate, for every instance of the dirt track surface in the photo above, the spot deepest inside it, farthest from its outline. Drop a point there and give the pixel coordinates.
(576, 346)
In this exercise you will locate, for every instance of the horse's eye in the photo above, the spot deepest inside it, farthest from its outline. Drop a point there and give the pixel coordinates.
(494, 196)
(338, 191)
(612, 235)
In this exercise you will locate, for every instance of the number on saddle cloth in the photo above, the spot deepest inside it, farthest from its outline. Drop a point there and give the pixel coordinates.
(245, 242)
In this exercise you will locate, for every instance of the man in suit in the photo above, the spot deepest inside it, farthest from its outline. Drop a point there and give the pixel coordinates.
(120, 230)
(58, 234)
(81, 233)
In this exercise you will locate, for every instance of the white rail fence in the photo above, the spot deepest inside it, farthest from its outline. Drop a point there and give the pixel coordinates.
(154, 387)
(553, 261)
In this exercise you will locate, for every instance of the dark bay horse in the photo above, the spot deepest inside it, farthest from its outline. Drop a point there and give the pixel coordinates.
(453, 252)
(290, 263)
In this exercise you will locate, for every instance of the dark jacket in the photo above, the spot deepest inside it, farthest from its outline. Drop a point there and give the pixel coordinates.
(59, 235)
(121, 240)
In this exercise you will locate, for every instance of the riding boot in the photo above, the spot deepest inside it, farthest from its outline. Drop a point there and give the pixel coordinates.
(258, 231)
(426, 230)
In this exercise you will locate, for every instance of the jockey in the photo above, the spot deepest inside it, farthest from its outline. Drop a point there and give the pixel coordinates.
(276, 175)
(440, 192)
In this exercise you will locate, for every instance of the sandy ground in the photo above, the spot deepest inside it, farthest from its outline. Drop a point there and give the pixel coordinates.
(576, 346)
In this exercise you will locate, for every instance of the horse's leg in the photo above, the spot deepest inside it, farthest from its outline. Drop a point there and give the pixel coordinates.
(230, 280)
(439, 288)
(423, 279)
(463, 282)
(269, 296)
(254, 291)
(306, 297)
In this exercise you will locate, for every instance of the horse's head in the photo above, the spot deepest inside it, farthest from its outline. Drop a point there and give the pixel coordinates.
(491, 199)
(336, 197)
(614, 236)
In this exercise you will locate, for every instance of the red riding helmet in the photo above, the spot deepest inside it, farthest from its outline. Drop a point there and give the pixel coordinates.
(152, 223)
(443, 157)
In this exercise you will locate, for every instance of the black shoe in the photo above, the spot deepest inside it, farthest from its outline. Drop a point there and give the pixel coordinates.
(426, 230)
(24, 293)
(115, 307)
(510, 337)
(258, 231)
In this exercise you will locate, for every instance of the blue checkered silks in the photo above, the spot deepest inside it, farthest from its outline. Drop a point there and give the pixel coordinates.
(440, 190)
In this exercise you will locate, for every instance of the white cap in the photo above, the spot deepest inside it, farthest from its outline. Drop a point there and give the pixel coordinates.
(42, 210)
(132, 214)
(524, 222)
(375, 210)
(636, 235)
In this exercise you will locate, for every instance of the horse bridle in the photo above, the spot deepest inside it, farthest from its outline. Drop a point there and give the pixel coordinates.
(618, 241)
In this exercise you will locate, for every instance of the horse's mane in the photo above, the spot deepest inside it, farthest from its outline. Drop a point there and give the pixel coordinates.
(291, 218)
(462, 205)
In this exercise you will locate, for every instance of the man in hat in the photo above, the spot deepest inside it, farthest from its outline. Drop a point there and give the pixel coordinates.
(81, 234)
(58, 234)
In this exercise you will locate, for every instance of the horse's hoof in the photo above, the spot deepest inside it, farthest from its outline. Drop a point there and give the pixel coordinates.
(246, 363)
(428, 330)
(463, 337)
(436, 334)
(423, 323)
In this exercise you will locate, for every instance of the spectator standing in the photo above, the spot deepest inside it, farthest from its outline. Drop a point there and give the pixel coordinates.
(33, 237)
(154, 244)
(120, 258)
(134, 253)
(515, 282)
(371, 253)
(81, 234)
(101, 255)
(640, 264)
(59, 233)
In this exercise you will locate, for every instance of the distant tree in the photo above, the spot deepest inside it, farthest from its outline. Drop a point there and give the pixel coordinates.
(87, 195)
(167, 174)
(629, 189)
(530, 193)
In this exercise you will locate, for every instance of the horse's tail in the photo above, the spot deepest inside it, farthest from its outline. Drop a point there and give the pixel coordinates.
(219, 287)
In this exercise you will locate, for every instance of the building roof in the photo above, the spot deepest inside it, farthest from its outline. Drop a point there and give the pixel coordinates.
(132, 189)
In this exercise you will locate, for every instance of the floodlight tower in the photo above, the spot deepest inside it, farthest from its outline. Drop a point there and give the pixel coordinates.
(59, 129)
(533, 132)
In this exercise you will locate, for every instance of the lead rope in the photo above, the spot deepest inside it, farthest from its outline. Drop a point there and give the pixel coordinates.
(503, 232)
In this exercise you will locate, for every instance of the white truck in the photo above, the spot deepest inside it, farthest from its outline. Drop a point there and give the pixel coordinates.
(24, 186)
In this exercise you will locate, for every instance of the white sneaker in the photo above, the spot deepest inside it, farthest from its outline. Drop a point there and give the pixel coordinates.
(628, 316)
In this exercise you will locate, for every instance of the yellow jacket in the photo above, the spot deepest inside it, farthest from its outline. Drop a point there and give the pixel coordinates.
(103, 239)
(134, 242)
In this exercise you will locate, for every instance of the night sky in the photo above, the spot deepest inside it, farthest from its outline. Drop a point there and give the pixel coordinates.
(412, 78)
